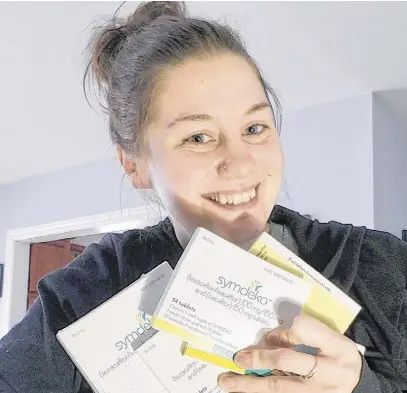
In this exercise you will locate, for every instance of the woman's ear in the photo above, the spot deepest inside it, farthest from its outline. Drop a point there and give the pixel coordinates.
(136, 171)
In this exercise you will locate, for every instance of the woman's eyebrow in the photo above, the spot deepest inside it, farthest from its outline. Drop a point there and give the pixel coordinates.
(190, 117)
(206, 117)
(258, 107)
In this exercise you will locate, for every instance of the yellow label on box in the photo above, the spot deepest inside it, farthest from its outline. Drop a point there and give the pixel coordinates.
(210, 358)
(219, 361)
(321, 304)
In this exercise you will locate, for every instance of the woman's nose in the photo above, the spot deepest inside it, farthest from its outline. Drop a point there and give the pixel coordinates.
(237, 161)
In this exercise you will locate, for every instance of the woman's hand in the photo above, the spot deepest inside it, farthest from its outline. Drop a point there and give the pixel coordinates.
(336, 369)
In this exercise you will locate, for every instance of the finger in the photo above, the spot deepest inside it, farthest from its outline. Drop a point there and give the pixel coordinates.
(325, 370)
(263, 343)
(230, 382)
(260, 345)
(309, 331)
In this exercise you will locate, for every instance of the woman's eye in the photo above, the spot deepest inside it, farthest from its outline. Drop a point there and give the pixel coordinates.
(199, 139)
(256, 129)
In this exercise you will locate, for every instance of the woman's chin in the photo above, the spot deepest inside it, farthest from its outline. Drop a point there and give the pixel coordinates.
(243, 235)
(241, 230)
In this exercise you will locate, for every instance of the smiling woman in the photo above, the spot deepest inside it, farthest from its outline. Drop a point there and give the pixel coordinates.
(193, 118)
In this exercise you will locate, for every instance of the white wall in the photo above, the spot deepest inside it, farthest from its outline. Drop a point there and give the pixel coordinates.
(390, 169)
(329, 160)
(89, 189)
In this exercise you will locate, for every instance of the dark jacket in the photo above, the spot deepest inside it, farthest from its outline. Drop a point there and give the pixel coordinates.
(370, 266)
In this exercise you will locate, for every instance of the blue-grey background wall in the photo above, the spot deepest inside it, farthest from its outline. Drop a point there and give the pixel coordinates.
(390, 168)
(80, 191)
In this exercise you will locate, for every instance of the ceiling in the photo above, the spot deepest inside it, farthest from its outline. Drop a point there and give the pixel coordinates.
(311, 53)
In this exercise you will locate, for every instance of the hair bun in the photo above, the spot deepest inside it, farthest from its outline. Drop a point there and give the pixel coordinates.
(146, 12)
(108, 38)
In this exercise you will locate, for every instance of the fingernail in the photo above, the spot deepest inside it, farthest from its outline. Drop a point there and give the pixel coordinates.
(243, 359)
(227, 382)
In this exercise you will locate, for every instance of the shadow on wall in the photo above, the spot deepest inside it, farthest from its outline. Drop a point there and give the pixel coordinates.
(1, 279)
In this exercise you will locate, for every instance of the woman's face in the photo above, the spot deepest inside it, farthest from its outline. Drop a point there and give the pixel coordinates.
(214, 156)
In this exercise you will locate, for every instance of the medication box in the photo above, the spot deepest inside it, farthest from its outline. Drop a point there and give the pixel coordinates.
(221, 299)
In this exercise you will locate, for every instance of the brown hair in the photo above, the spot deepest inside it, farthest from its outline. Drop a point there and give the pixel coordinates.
(127, 57)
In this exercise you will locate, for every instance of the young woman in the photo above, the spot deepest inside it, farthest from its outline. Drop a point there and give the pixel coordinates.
(193, 119)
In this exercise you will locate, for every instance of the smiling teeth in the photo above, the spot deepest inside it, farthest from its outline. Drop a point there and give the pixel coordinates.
(233, 199)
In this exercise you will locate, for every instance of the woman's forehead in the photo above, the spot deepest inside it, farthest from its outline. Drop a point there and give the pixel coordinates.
(214, 85)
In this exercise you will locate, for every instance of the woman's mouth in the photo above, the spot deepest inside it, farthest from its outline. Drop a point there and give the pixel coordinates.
(233, 198)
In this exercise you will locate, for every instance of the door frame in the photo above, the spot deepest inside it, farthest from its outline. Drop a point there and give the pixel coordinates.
(18, 241)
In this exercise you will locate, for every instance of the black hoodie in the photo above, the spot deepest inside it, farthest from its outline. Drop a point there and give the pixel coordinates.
(370, 266)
